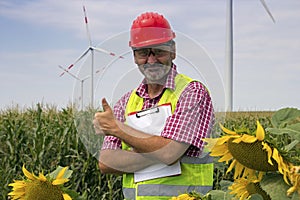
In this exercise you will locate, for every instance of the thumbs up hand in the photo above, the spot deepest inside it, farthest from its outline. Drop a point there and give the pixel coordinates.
(105, 105)
(104, 122)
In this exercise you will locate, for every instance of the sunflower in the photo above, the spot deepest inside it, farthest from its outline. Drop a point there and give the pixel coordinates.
(188, 196)
(40, 187)
(294, 178)
(248, 154)
(243, 188)
(183, 197)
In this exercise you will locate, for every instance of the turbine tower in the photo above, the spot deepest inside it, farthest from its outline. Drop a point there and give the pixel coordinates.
(229, 52)
(79, 79)
(91, 49)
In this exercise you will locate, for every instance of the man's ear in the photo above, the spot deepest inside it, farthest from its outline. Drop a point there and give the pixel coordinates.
(173, 51)
(135, 61)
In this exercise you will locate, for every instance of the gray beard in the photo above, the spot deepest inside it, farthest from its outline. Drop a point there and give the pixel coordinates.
(156, 73)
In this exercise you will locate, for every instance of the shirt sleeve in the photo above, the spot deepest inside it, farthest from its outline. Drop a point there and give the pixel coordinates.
(193, 117)
(111, 142)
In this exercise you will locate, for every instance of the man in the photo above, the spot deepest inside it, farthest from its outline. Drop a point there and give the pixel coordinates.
(153, 136)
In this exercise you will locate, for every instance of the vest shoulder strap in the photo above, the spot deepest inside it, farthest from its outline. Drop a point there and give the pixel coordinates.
(172, 96)
(135, 102)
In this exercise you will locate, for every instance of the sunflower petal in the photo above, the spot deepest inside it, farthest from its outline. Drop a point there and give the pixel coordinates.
(231, 166)
(260, 175)
(227, 130)
(245, 195)
(226, 158)
(17, 194)
(42, 177)
(245, 138)
(250, 173)
(60, 181)
(276, 157)
(66, 196)
(285, 178)
(238, 170)
(29, 175)
(291, 190)
(210, 142)
(260, 132)
(269, 151)
(17, 185)
(219, 150)
(61, 173)
(225, 138)
(239, 188)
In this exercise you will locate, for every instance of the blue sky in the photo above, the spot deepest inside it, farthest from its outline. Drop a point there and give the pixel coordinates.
(38, 35)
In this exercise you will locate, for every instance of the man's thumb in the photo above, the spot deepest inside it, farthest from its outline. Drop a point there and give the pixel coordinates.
(105, 105)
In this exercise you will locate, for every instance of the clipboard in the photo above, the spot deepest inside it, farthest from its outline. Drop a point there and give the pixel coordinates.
(152, 121)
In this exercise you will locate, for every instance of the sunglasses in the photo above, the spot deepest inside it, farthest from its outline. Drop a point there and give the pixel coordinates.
(157, 51)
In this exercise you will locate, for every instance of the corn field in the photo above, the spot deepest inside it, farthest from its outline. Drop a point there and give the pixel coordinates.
(43, 137)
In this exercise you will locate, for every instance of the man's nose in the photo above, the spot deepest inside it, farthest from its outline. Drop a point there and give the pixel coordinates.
(151, 58)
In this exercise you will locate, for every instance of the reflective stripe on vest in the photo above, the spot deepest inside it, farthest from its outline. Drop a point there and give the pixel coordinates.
(196, 173)
(168, 190)
(194, 177)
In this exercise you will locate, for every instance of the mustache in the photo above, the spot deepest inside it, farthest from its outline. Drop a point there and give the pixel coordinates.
(147, 65)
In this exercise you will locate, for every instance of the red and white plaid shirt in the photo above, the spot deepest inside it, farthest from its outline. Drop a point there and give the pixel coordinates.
(191, 121)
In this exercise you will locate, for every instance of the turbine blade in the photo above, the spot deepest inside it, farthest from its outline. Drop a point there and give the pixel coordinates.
(65, 70)
(61, 74)
(76, 61)
(85, 78)
(87, 26)
(100, 70)
(267, 9)
(82, 55)
(105, 51)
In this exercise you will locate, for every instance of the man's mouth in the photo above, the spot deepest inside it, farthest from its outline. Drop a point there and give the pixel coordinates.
(153, 66)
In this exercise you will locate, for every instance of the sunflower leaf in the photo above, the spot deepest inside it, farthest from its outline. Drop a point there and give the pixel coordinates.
(293, 130)
(291, 145)
(285, 116)
(275, 186)
(225, 184)
(295, 196)
(256, 197)
(219, 194)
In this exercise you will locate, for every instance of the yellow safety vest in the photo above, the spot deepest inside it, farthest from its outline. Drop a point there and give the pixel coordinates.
(196, 173)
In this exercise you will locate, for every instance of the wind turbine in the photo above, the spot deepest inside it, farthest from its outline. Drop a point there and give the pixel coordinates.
(92, 50)
(77, 78)
(229, 52)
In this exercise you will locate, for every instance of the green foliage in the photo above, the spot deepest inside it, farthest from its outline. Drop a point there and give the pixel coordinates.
(275, 186)
(285, 133)
(219, 194)
(240, 122)
(282, 131)
(43, 138)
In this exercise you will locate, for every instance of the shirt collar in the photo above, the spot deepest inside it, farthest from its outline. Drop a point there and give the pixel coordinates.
(170, 83)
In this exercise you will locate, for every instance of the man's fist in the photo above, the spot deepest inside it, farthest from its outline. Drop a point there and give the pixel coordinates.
(104, 122)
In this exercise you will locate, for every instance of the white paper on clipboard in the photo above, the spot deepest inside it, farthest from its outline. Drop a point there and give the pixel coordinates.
(152, 121)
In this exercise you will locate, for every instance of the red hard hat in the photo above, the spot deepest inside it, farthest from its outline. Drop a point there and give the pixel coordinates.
(149, 29)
